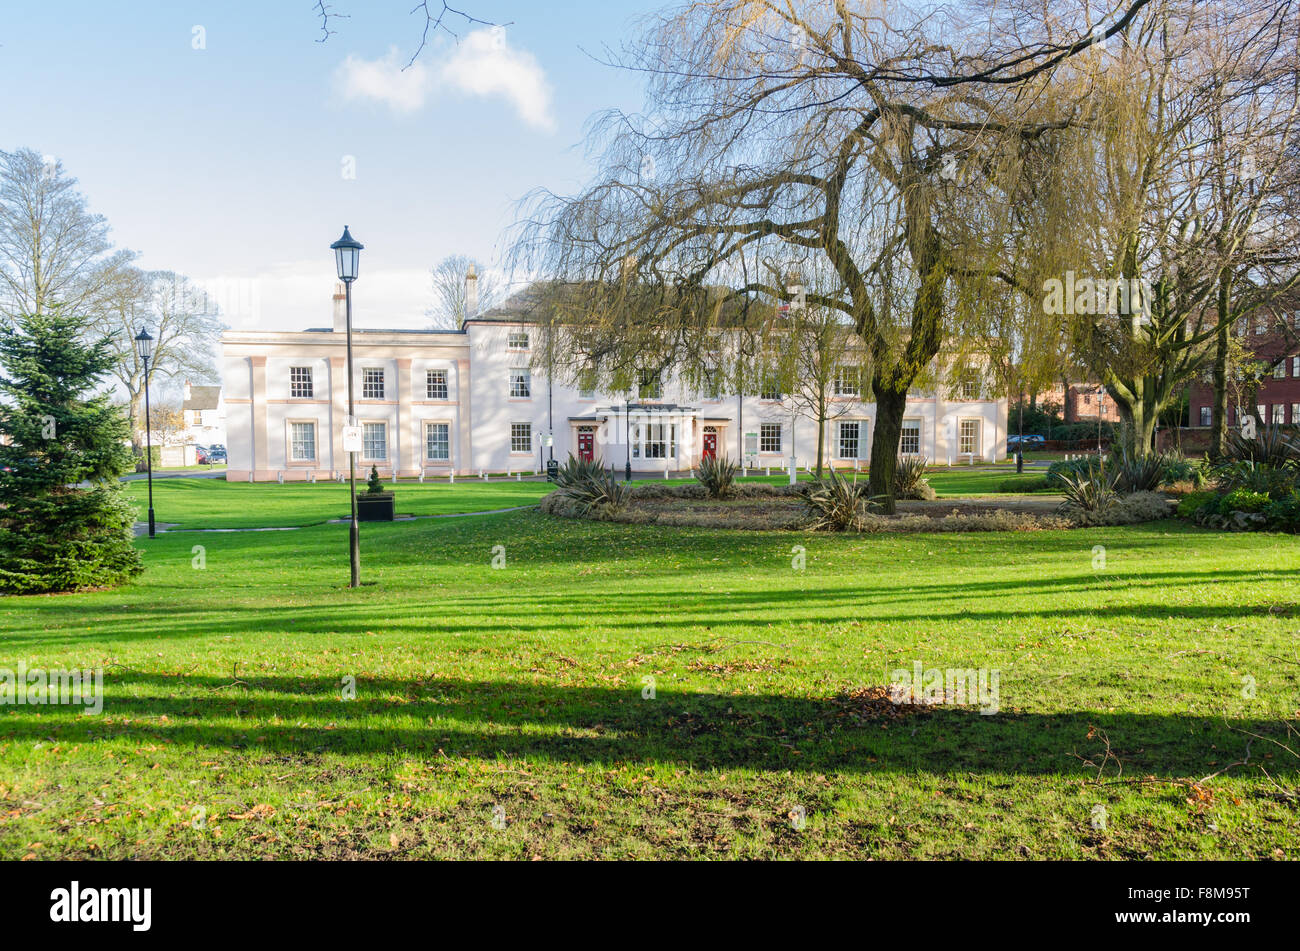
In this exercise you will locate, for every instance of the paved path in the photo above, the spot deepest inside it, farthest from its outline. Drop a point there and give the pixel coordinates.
(177, 474)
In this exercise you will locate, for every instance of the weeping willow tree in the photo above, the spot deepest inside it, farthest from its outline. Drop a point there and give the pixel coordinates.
(837, 133)
(1168, 176)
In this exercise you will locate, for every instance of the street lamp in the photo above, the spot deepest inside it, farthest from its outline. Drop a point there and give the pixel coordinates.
(144, 347)
(1101, 411)
(347, 255)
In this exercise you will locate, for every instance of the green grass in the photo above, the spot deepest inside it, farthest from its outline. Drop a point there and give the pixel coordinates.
(215, 503)
(225, 732)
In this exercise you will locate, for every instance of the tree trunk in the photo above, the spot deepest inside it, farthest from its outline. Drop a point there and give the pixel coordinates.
(890, 406)
(1219, 414)
(821, 440)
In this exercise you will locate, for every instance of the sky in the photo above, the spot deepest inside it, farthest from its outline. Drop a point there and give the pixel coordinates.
(223, 141)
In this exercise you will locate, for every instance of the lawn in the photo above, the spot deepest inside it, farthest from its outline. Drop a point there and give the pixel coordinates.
(637, 691)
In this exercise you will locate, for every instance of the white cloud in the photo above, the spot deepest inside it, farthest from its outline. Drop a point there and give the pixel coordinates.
(384, 80)
(482, 64)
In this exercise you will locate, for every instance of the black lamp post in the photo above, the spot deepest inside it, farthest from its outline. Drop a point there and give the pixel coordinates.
(1101, 409)
(629, 441)
(144, 347)
(347, 254)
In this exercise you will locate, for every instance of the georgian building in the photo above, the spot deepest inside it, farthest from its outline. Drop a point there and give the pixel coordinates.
(438, 402)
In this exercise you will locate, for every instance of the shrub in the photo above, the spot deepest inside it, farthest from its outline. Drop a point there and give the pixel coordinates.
(836, 504)
(1180, 469)
(1058, 470)
(1024, 483)
(717, 474)
(373, 485)
(1243, 500)
(1126, 510)
(1193, 503)
(1284, 514)
(1091, 491)
(576, 470)
(1277, 482)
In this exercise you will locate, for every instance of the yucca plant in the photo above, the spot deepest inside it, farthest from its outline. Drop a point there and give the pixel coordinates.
(1274, 481)
(836, 504)
(1269, 446)
(717, 474)
(1139, 473)
(575, 470)
(909, 477)
(1092, 490)
(591, 487)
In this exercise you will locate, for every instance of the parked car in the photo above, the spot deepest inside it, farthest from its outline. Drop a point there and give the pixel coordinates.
(216, 455)
(201, 454)
(1027, 441)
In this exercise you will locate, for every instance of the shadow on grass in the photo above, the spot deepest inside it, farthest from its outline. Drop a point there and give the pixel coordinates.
(488, 719)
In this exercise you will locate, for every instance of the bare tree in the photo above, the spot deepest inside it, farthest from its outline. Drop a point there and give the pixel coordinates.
(180, 317)
(448, 276)
(53, 251)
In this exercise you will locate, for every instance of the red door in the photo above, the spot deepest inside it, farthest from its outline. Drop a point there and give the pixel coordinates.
(586, 442)
(710, 446)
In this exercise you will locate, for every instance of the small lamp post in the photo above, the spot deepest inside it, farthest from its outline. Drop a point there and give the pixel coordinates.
(1101, 411)
(347, 255)
(144, 347)
(628, 413)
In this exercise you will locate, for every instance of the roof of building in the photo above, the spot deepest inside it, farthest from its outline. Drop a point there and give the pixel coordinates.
(203, 397)
(542, 299)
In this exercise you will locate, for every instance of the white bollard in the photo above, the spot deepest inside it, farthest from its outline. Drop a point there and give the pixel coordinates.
(481, 475)
(421, 477)
(279, 477)
(519, 477)
(451, 478)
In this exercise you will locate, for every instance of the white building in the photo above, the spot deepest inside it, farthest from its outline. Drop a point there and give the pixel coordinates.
(468, 401)
(204, 415)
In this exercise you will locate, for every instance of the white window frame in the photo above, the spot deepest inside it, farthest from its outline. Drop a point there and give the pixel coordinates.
(859, 438)
(765, 438)
(429, 425)
(293, 424)
(431, 385)
(521, 383)
(843, 386)
(977, 437)
(372, 378)
(521, 432)
(513, 339)
(302, 382)
(367, 427)
(920, 432)
(1207, 415)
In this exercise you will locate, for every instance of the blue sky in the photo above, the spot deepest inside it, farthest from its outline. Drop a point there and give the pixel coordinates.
(228, 162)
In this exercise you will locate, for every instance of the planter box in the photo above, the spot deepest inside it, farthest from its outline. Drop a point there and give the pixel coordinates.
(375, 508)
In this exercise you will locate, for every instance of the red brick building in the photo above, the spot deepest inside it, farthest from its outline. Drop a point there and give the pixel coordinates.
(1274, 339)
(1079, 402)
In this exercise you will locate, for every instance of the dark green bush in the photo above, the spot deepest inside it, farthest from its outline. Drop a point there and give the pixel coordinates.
(1283, 515)
(836, 504)
(1191, 504)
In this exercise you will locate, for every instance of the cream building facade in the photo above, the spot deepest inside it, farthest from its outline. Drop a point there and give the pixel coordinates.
(442, 403)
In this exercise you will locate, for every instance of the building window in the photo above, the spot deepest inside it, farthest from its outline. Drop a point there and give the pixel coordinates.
(435, 385)
(1261, 323)
(302, 441)
(1295, 366)
(852, 439)
(374, 441)
(848, 381)
(1087, 399)
(437, 441)
(771, 389)
(712, 383)
(521, 383)
(909, 443)
(1295, 414)
(1279, 413)
(300, 382)
(1279, 371)
(1261, 412)
(968, 388)
(518, 340)
(1205, 415)
(587, 384)
(651, 386)
(661, 440)
(769, 437)
(521, 437)
(968, 437)
(372, 383)
(636, 441)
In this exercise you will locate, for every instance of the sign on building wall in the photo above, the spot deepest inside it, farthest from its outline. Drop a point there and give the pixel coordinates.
(351, 438)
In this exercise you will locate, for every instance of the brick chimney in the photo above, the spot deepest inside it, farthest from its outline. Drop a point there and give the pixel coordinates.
(471, 293)
(340, 309)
